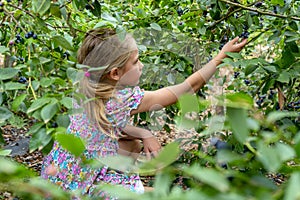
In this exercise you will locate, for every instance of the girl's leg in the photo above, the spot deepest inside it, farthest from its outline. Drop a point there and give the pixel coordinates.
(130, 147)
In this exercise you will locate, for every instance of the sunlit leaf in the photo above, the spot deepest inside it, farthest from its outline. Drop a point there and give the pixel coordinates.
(76, 146)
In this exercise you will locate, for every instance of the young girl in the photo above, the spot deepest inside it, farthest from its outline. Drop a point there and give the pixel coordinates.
(111, 84)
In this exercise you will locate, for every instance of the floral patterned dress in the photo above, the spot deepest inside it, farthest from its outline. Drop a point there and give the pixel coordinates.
(71, 174)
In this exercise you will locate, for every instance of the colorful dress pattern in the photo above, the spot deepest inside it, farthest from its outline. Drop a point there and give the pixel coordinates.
(71, 173)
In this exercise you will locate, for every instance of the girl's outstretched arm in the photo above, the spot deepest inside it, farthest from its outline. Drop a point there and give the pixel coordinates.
(154, 100)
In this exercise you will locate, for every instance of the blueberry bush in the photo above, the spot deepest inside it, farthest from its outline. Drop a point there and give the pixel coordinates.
(254, 140)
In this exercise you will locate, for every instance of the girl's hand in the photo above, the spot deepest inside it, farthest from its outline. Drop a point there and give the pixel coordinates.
(233, 46)
(151, 146)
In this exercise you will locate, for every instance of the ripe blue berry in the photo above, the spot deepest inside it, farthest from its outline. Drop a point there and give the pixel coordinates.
(22, 79)
(247, 82)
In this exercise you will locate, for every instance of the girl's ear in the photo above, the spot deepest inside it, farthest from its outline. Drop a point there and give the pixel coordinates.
(114, 74)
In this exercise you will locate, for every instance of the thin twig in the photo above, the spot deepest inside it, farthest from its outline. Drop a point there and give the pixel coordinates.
(260, 11)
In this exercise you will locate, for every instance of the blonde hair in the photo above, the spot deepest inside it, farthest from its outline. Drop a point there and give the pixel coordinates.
(98, 54)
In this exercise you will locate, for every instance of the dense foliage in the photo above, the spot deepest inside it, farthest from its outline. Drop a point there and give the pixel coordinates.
(260, 98)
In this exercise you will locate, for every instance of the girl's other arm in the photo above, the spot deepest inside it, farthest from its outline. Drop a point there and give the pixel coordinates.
(154, 100)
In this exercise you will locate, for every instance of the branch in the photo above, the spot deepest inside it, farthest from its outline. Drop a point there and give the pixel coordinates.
(260, 11)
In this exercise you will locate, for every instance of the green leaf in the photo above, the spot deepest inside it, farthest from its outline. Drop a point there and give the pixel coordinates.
(71, 143)
(63, 120)
(5, 152)
(209, 176)
(14, 86)
(4, 114)
(270, 68)
(249, 69)
(17, 102)
(234, 55)
(239, 100)
(67, 102)
(49, 111)
(237, 118)
(284, 77)
(166, 157)
(35, 128)
(292, 190)
(55, 10)
(285, 152)
(41, 6)
(3, 49)
(8, 73)
(38, 103)
(96, 10)
(269, 157)
(277, 115)
(155, 26)
(46, 82)
(278, 2)
(121, 32)
(39, 139)
(109, 18)
(188, 104)
(63, 42)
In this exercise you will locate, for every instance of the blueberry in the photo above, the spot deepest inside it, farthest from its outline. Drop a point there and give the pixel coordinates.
(11, 42)
(160, 86)
(258, 4)
(291, 105)
(221, 46)
(21, 59)
(18, 41)
(18, 36)
(236, 74)
(179, 12)
(245, 34)
(180, 23)
(66, 54)
(259, 102)
(22, 79)
(247, 82)
(224, 165)
(34, 36)
(54, 125)
(27, 36)
(222, 145)
(30, 33)
(1, 3)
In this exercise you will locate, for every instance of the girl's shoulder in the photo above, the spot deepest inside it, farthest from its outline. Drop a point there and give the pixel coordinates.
(123, 102)
(129, 93)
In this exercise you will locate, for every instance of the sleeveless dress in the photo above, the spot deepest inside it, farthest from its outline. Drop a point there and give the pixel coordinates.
(72, 174)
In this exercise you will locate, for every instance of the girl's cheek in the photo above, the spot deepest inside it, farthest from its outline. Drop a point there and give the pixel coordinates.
(51, 170)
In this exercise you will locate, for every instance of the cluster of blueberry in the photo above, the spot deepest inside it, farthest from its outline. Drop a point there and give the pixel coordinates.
(260, 100)
(30, 34)
(22, 79)
(294, 105)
